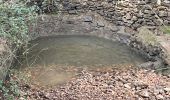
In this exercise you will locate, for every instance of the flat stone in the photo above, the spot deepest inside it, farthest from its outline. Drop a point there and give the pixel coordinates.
(72, 12)
(147, 11)
(121, 29)
(88, 19)
(113, 28)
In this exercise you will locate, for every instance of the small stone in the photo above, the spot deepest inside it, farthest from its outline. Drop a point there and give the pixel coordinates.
(100, 24)
(21, 98)
(147, 11)
(88, 19)
(163, 14)
(169, 13)
(144, 94)
(160, 97)
(113, 28)
(72, 12)
(158, 91)
(127, 86)
(140, 99)
(128, 16)
(167, 89)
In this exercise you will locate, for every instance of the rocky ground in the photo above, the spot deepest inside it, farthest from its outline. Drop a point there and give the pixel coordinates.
(131, 84)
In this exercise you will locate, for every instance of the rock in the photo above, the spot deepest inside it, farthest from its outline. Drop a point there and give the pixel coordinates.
(72, 12)
(147, 11)
(167, 89)
(160, 97)
(139, 99)
(144, 94)
(169, 13)
(128, 16)
(165, 45)
(140, 85)
(21, 98)
(88, 19)
(113, 28)
(146, 36)
(100, 24)
(134, 18)
(163, 14)
(127, 86)
(146, 65)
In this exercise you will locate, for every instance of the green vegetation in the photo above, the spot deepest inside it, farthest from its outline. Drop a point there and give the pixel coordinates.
(15, 18)
(166, 29)
(15, 21)
(8, 90)
(147, 36)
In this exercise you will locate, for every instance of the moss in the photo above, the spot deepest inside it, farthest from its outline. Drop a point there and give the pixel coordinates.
(166, 29)
(146, 36)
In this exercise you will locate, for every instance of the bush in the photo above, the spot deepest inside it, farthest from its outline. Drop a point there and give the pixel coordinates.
(45, 6)
(15, 18)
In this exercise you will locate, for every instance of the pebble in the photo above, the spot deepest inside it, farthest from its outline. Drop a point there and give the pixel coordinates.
(160, 97)
(167, 89)
(144, 94)
(127, 86)
(88, 19)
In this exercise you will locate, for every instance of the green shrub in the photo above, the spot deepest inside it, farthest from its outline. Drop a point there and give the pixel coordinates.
(45, 6)
(14, 21)
(9, 90)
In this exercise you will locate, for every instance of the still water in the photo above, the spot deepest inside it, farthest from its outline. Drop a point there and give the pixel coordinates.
(49, 58)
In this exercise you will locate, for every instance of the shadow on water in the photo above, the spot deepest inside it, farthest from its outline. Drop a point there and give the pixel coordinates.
(49, 59)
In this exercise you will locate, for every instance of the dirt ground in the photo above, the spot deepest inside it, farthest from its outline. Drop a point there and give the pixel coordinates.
(111, 84)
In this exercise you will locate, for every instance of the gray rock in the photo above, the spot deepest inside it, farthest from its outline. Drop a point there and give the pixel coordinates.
(147, 11)
(88, 19)
(128, 16)
(168, 13)
(100, 24)
(114, 28)
(163, 13)
(72, 12)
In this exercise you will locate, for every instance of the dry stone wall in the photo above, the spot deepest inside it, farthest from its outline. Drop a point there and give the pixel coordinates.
(130, 13)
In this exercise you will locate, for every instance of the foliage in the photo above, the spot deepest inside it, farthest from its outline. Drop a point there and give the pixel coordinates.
(45, 6)
(15, 18)
(9, 90)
